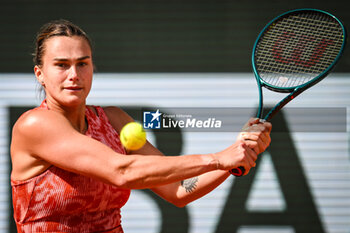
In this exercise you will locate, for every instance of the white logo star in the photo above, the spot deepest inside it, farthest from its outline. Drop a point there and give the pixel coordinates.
(156, 115)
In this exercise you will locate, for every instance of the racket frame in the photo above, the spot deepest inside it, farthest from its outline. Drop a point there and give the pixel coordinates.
(296, 90)
(293, 91)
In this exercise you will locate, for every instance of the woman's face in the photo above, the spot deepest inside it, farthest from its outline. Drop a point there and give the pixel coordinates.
(67, 70)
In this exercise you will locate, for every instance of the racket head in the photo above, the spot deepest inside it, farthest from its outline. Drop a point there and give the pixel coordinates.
(294, 51)
(297, 49)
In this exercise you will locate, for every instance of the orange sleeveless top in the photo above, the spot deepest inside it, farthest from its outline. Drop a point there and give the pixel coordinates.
(61, 201)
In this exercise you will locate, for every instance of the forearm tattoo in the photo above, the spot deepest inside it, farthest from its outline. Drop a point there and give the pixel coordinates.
(190, 184)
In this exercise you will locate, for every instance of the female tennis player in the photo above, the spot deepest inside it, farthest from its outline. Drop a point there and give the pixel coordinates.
(70, 171)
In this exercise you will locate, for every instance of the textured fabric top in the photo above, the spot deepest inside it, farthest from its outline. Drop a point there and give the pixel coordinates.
(61, 201)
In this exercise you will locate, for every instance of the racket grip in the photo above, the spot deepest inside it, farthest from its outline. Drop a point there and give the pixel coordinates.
(238, 171)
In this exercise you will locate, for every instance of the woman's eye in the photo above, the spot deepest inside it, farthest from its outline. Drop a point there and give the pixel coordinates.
(82, 64)
(62, 65)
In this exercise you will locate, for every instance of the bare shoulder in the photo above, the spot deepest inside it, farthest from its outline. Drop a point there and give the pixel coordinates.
(28, 134)
(118, 117)
(37, 126)
(35, 121)
(29, 121)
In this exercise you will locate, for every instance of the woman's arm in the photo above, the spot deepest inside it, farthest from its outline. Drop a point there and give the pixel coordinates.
(188, 190)
(182, 193)
(47, 135)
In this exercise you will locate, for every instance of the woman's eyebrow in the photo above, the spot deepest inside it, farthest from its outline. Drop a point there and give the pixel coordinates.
(66, 59)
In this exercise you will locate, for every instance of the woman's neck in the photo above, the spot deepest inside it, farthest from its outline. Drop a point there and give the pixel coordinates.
(74, 113)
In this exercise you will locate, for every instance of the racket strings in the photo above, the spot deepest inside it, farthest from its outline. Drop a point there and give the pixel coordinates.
(297, 48)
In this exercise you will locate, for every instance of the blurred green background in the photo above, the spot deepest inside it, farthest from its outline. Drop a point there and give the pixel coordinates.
(154, 36)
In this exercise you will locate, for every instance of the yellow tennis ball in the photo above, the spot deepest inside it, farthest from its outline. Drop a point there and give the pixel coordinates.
(133, 136)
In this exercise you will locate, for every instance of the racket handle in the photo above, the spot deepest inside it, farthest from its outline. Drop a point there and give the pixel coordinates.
(238, 171)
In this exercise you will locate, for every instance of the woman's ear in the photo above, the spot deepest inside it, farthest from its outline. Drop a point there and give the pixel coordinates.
(39, 75)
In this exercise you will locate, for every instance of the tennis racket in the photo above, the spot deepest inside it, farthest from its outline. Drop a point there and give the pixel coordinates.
(293, 52)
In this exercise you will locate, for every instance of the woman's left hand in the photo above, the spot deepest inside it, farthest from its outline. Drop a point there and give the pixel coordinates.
(256, 134)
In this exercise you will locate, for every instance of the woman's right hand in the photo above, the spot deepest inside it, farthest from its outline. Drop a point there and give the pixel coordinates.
(253, 140)
(237, 155)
